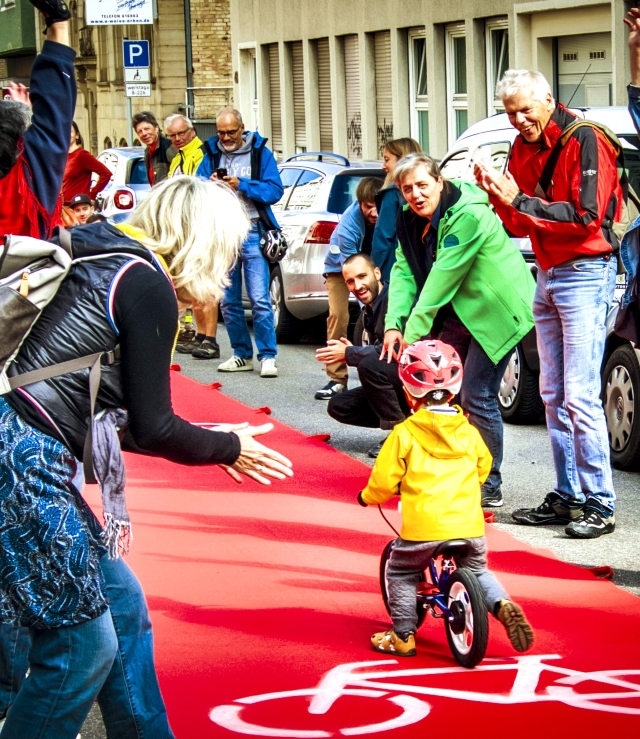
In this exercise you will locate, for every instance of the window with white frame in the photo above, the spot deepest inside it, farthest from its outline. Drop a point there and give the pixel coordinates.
(456, 65)
(497, 55)
(418, 87)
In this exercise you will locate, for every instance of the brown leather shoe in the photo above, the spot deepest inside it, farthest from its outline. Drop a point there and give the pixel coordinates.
(515, 622)
(389, 642)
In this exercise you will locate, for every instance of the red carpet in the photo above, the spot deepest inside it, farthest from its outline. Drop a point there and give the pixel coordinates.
(258, 590)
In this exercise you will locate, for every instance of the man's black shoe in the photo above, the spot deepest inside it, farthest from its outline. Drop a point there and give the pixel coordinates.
(491, 497)
(329, 390)
(554, 511)
(591, 525)
(375, 450)
(188, 348)
(209, 349)
(53, 11)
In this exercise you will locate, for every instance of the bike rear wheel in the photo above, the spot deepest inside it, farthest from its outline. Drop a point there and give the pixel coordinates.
(468, 634)
(421, 611)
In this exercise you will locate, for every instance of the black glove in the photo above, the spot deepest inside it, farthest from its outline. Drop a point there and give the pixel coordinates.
(53, 11)
(362, 503)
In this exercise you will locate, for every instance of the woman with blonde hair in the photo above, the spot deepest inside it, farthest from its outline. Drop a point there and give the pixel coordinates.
(90, 633)
(388, 202)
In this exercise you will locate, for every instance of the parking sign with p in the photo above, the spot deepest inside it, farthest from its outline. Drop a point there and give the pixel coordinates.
(136, 53)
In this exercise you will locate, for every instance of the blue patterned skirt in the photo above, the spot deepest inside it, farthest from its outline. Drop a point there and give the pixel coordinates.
(49, 538)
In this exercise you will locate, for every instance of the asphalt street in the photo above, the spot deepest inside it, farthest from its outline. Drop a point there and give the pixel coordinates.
(527, 469)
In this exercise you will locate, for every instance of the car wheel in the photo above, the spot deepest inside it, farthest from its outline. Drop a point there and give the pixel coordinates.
(288, 327)
(519, 397)
(621, 402)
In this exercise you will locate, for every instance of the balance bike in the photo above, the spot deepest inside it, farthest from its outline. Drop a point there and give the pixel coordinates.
(452, 594)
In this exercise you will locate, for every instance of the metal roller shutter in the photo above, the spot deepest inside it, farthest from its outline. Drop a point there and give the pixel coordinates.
(384, 100)
(276, 110)
(352, 88)
(324, 95)
(297, 72)
(585, 69)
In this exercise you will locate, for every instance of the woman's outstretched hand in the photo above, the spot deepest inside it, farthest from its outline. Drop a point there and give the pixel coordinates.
(256, 460)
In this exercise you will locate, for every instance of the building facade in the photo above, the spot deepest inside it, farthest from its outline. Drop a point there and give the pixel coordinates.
(348, 75)
(190, 64)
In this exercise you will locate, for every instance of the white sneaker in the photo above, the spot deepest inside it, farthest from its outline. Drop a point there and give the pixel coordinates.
(236, 364)
(268, 367)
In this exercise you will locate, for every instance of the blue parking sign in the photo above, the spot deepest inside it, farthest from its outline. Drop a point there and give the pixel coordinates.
(136, 53)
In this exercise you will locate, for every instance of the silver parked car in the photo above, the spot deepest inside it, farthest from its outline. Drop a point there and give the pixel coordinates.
(318, 188)
(129, 183)
(490, 141)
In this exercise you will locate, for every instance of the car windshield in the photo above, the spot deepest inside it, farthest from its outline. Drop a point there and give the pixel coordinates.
(138, 174)
(343, 190)
(631, 145)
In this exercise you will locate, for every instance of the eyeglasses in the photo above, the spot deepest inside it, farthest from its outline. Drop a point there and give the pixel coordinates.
(179, 134)
(228, 134)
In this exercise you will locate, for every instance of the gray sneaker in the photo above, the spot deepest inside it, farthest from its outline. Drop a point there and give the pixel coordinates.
(329, 390)
(553, 511)
(491, 497)
(591, 525)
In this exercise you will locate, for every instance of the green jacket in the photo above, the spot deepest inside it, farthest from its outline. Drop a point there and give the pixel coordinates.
(478, 269)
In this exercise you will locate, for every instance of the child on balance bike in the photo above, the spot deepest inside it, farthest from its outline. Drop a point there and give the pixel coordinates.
(438, 462)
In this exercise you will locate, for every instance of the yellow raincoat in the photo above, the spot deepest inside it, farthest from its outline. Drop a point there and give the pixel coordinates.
(438, 462)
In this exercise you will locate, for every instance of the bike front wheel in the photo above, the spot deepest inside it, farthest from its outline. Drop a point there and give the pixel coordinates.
(468, 631)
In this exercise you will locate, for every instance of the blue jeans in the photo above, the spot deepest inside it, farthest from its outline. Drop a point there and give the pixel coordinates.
(570, 310)
(109, 658)
(256, 277)
(479, 398)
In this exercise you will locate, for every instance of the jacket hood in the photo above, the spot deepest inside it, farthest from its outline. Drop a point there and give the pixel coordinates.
(443, 435)
(100, 239)
(469, 195)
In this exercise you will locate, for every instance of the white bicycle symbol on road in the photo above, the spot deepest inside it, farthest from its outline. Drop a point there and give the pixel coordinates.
(350, 680)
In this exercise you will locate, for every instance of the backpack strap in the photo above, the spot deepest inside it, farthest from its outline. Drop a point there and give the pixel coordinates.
(94, 361)
(549, 168)
(214, 157)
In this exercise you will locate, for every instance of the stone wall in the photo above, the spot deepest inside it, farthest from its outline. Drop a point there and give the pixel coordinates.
(211, 50)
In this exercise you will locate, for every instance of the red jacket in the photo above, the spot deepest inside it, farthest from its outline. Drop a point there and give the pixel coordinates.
(585, 194)
(77, 176)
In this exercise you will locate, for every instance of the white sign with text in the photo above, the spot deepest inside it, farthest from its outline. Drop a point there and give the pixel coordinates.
(118, 12)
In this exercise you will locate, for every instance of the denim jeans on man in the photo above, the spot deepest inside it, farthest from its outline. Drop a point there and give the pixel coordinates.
(109, 658)
(256, 276)
(479, 398)
(570, 310)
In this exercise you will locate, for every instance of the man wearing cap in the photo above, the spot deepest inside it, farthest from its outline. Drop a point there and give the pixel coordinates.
(82, 207)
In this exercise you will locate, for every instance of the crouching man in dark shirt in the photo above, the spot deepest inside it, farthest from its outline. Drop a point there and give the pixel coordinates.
(380, 401)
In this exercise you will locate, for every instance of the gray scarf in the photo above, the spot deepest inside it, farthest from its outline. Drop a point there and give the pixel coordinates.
(108, 465)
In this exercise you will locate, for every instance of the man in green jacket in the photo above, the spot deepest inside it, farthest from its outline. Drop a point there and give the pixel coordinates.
(458, 277)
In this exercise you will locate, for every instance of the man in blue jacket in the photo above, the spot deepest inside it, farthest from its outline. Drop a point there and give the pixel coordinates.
(353, 234)
(252, 172)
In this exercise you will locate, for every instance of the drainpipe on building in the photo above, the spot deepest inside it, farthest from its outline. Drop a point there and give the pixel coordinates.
(189, 55)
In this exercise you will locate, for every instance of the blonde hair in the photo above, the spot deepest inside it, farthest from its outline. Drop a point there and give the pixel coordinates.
(198, 227)
(400, 148)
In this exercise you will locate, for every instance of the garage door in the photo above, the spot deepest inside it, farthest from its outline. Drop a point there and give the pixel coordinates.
(324, 95)
(276, 109)
(297, 72)
(352, 90)
(585, 71)
(384, 109)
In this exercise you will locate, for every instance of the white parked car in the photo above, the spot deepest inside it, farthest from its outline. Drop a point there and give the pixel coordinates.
(490, 141)
(318, 188)
(129, 183)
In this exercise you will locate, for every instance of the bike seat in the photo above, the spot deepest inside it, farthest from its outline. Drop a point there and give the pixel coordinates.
(452, 548)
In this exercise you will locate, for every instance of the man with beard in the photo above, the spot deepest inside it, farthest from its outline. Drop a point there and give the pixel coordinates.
(380, 395)
(242, 160)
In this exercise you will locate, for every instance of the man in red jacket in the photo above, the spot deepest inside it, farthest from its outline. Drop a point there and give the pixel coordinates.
(569, 219)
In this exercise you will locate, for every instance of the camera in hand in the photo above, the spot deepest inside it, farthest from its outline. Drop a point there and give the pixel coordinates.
(221, 173)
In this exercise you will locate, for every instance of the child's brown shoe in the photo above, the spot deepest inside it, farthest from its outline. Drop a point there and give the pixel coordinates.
(515, 622)
(390, 643)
